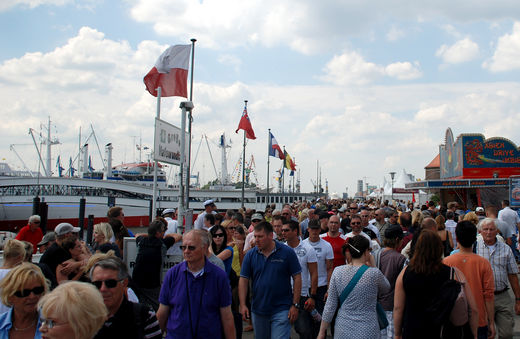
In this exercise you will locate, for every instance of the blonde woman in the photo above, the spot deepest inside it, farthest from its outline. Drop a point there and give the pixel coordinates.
(21, 289)
(14, 254)
(66, 315)
(102, 235)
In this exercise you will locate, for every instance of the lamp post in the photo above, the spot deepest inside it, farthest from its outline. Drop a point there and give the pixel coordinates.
(392, 175)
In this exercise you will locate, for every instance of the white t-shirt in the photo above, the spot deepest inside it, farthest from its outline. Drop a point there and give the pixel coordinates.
(172, 226)
(305, 254)
(324, 252)
(373, 244)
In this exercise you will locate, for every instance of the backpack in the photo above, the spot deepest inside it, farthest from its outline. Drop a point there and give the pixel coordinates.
(449, 304)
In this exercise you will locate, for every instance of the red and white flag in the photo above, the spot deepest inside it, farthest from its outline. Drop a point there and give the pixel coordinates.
(170, 73)
(245, 124)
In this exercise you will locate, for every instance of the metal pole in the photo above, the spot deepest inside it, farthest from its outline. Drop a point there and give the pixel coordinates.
(185, 106)
(268, 151)
(156, 163)
(244, 164)
(190, 120)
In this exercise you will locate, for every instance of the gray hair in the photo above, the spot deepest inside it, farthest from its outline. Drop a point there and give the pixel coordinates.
(34, 218)
(203, 236)
(486, 221)
(114, 264)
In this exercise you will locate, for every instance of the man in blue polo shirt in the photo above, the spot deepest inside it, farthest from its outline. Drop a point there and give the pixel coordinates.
(184, 310)
(270, 266)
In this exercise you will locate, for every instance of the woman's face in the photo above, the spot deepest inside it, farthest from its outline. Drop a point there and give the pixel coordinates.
(239, 236)
(61, 329)
(218, 237)
(27, 305)
(76, 251)
(99, 237)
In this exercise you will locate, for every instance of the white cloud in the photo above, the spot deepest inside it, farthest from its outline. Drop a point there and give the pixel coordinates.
(8, 4)
(350, 68)
(462, 51)
(404, 70)
(507, 52)
(395, 34)
(230, 60)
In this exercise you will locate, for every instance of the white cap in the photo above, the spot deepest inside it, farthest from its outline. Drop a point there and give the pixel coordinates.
(65, 228)
(208, 202)
(168, 211)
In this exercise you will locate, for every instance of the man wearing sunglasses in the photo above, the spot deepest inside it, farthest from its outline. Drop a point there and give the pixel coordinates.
(125, 319)
(32, 232)
(195, 299)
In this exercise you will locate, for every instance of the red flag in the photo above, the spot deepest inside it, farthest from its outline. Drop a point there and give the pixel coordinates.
(245, 124)
(170, 72)
(413, 197)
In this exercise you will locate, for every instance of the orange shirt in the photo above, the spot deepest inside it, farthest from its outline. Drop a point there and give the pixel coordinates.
(479, 275)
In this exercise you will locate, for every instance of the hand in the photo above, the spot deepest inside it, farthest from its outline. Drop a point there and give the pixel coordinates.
(309, 305)
(67, 267)
(491, 331)
(517, 307)
(326, 296)
(293, 314)
(252, 243)
(176, 236)
(245, 312)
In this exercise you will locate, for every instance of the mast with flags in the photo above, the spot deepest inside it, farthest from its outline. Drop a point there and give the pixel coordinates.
(245, 124)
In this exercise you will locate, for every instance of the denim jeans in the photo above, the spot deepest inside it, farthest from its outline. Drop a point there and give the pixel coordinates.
(276, 326)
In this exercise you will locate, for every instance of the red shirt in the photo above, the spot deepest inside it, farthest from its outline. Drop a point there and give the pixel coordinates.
(336, 243)
(30, 236)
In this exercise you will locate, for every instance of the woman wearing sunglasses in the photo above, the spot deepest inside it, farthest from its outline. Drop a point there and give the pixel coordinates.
(65, 314)
(220, 248)
(22, 288)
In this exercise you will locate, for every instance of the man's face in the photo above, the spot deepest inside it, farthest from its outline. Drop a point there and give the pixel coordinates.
(489, 233)
(286, 213)
(352, 209)
(365, 217)
(314, 234)
(380, 216)
(288, 233)
(393, 218)
(194, 251)
(277, 226)
(112, 297)
(356, 225)
(311, 214)
(324, 223)
(34, 225)
(333, 224)
(263, 240)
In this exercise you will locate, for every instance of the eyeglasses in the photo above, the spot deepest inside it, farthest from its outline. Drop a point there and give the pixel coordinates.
(352, 208)
(25, 293)
(231, 228)
(190, 247)
(109, 283)
(333, 222)
(35, 222)
(49, 323)
(284, 230)
(355, 223)
(364, 216)
(218, 235)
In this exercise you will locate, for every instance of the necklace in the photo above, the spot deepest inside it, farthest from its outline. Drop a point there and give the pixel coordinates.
(25, 328)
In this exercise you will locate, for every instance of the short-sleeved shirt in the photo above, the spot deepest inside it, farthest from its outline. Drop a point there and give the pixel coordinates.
(208, 293)
(336, 243)
(502, 262)
(324, 252)
(54, 256)
(510, 217)
(34, 237)
(391, 263)
(306, 255)
(271, 278)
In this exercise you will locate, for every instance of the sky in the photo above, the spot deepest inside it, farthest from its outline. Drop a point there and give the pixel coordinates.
(363, 88)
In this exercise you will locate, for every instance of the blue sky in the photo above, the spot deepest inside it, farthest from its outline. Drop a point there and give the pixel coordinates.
(366, 88)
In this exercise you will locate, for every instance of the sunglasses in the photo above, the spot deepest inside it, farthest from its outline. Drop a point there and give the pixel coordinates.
(109, 283)
(190, 247)
(218, 235)
(284, 230)
(355, 223)
(231, 228)
(26, 292)
(49, 323)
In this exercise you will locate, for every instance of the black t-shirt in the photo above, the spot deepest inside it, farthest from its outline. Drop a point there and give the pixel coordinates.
(54, 256)
(370, 233)
(148, 263)
(345, 225)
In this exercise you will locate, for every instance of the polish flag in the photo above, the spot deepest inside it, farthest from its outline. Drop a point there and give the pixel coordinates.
(274, 148)
(170, 73)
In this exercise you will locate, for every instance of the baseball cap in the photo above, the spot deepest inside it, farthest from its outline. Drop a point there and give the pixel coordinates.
(394, 231)
(479, 209)
(324, 215)
(257, 216)
(51, 236)
(313, 224)
(65, 228)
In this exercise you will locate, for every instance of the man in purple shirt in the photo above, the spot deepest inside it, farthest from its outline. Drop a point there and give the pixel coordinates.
(184, 310)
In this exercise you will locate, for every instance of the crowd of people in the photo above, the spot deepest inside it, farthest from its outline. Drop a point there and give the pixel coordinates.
(344, 268)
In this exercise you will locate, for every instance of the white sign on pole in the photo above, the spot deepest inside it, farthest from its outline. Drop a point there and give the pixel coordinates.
(167, 142)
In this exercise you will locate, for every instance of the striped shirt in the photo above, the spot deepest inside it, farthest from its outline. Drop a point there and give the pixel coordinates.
(502, 262)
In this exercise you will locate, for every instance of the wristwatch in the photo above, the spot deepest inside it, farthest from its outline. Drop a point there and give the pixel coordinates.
(296, 305)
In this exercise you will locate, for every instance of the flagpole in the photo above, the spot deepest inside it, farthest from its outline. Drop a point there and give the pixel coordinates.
(156, 163)
(268, 151)
(244, 164)
(283, 173)
(190, 120)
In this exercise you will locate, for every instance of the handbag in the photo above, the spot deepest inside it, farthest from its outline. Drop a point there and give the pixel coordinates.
(459, 313)
(381, 315)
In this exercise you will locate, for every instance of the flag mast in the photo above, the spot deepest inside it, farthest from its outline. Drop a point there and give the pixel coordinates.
(268, 155)
(190, 120)
(244, 163)
(156, 163)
